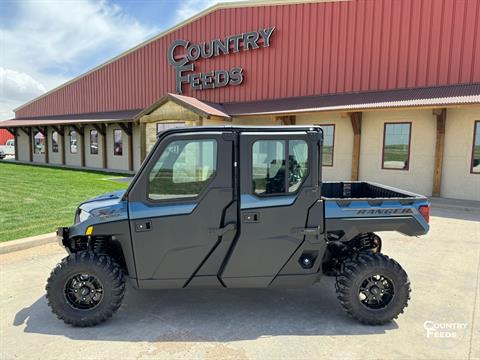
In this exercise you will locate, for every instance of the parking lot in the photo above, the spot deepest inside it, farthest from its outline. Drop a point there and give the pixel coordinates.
(262, 324)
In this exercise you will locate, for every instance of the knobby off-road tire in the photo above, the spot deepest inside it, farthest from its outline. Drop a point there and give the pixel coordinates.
(373, 288)
(85, 288)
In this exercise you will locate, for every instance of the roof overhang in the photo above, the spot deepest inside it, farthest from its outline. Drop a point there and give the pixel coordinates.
(94, 118)
(440, 96)
(431, 97)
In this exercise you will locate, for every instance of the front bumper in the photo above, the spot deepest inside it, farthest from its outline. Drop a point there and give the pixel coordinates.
(62, 234)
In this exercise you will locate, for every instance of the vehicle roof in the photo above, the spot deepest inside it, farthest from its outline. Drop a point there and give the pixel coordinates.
(243, 128)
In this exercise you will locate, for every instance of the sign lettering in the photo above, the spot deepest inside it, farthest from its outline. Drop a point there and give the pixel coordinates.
(184, 63)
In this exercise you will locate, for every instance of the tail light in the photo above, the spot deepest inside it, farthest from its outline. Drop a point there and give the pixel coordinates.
(424, 210)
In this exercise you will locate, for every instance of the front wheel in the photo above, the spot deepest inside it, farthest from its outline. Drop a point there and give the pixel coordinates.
(85, 288)
(373, 288)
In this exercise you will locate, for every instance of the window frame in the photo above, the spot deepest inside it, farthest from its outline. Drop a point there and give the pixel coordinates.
(121, 138)
(35, 133)
(58, 146)
(90, 139)
(333, 145)
(70, 141)
(409, 123)
(472, 155)
(185, 199)
(286, 154)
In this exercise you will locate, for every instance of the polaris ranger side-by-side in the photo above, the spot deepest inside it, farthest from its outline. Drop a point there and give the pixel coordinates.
(236, 207)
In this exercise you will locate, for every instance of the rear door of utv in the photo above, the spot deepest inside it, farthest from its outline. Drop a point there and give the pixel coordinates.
(181, 208)
(279, 185)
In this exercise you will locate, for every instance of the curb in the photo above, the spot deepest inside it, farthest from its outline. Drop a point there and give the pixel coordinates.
(27, 243)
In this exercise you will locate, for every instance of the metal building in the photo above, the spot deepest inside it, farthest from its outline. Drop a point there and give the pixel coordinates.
(395, 84)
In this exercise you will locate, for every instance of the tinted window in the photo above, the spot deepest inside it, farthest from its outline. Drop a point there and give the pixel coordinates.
(328, 142)
(117, 142)
(268, 166)
(183, 170)
(73, 142)
(54, 141)
(476, 149)
(93, 142)
(39, 143)
(396, 146)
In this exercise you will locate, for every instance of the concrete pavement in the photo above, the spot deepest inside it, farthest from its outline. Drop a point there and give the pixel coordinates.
(261, 324)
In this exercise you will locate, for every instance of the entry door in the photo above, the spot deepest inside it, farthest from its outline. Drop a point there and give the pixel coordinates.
(176, 207)
(279, 183)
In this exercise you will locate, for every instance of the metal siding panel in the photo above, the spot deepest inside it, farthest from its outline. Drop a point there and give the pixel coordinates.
(385, 44)
(335, 32)
(446, 41)
(475, 77)
(404, 36)
(358, 46)
(457, 38)
(367, 47)
(414, 42)
(376, 46)
(435, 36)
(395, 44)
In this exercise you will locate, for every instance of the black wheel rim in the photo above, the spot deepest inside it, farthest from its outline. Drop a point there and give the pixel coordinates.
(83, 291)
(376, 292)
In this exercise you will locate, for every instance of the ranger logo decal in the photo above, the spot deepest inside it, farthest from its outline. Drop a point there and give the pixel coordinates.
(384, 211)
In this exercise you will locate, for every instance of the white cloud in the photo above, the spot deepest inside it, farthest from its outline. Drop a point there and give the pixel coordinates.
(15, 88)
(52, 41)
(18, 86)
(189, 8)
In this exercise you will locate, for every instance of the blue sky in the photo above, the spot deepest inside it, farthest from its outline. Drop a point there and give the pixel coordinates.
(44, 43)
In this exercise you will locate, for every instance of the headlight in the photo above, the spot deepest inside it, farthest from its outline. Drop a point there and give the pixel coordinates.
(83, 215)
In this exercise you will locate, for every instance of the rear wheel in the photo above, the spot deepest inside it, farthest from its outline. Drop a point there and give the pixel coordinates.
(373, 288)
(85, 289)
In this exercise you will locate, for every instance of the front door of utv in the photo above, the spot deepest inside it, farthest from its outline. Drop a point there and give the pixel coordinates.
(279, 184)
(177, 208)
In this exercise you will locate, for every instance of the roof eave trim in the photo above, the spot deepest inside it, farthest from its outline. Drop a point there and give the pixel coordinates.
(426, 103)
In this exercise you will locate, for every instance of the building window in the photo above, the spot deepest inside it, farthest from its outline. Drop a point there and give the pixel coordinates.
(94, 142)
(54, 141)
(269, 176)
(396, 146)
(161, 126)
(475, 166)
(38, 143)
(117, 142)
(73, 142)
(328, 144)
(183, 170)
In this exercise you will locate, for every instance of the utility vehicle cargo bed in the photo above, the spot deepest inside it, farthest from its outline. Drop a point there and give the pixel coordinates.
(362, 190)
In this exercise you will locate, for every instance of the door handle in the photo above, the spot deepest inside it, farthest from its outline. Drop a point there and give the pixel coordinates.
(141, 226)
(251, 217)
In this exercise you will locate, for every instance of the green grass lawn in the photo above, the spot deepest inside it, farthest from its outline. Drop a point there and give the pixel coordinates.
(36, 200)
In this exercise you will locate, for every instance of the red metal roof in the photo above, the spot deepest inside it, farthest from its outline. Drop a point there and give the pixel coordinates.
(317, 49)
